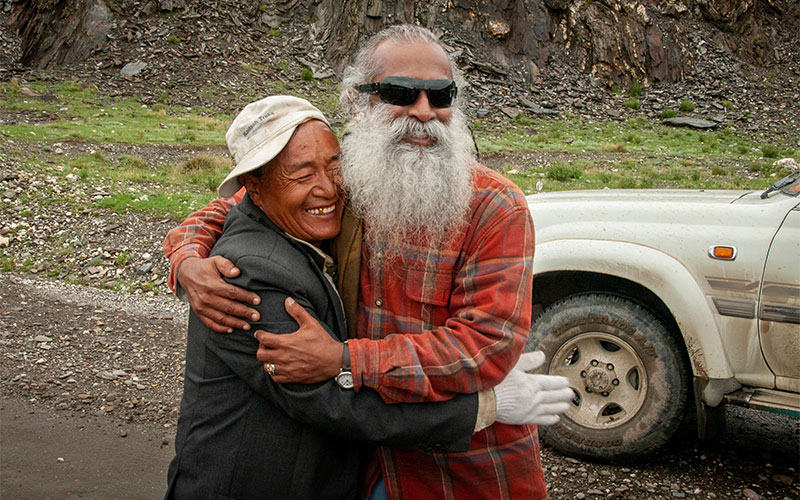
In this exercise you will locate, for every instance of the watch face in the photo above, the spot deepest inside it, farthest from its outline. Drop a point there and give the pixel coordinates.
(345, 380)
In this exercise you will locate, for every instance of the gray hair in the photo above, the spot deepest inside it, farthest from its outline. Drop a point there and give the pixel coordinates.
(366, 65)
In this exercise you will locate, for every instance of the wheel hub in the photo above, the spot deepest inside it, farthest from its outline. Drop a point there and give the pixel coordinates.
(600, 377)
(598, 380)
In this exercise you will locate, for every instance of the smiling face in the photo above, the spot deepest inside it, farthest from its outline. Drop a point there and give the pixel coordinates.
(421, 60)
(299, 189)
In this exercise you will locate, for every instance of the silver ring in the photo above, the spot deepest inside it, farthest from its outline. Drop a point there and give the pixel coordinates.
(271, 369)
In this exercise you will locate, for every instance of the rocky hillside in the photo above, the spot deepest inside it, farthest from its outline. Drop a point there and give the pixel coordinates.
(737, 61)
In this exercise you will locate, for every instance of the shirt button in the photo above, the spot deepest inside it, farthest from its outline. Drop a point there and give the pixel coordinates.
(379, 303)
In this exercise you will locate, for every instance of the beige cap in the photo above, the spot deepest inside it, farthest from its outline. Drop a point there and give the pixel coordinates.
(261, 131)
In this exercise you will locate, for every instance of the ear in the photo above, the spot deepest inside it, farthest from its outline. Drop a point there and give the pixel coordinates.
(249, 182)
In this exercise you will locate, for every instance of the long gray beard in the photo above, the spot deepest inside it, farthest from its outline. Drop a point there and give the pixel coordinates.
(406, 193)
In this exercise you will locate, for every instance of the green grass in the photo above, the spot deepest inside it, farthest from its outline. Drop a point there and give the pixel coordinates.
(636, 153)
(686, 106)
(632, 104)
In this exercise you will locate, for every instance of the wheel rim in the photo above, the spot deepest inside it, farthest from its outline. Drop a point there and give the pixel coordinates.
(607, 376)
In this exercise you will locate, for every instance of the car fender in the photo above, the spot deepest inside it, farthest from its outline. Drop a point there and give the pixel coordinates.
(661, 274)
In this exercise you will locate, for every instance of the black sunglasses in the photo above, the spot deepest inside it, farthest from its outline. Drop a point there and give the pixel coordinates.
(402, 91)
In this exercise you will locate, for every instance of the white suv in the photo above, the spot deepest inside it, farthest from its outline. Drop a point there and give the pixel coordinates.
(650, 301)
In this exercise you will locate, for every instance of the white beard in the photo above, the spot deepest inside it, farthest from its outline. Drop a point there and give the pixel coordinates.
(407, 193)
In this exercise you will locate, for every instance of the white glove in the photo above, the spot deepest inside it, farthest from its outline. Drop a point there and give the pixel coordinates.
(525, 398)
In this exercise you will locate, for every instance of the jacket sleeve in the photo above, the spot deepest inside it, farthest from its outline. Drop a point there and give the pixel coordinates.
(197, 234)
(358, 416)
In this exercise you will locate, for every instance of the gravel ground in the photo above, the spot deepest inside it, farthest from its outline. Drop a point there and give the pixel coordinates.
(116, 360)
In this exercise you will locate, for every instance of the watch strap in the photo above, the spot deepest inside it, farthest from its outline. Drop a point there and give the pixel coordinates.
(346, 357)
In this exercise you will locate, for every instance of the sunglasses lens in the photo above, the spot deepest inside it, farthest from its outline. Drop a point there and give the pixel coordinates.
(400, 94)
(397, 95)
(441, 98)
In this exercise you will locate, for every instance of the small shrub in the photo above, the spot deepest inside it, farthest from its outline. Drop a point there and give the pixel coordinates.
(173, 39)
(186, 137)
(632, 138)
(122, 259)
(632, 104)
(307, 75)
(202, 170)
(561, 172)
(7, 264)
(202, 163)
(635, 90)
(605, 177)
(616, 147)
(742, 149)
(770, 151)
(687, 106)
(627, 183)
(717, 170)
(727, 104)
(668, 113)
(132, 162)
(275, 32)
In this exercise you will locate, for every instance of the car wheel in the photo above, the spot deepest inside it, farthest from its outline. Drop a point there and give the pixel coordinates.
(626, 370)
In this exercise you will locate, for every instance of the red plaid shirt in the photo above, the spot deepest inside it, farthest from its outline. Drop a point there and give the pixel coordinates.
(197, 234)
(467, 308)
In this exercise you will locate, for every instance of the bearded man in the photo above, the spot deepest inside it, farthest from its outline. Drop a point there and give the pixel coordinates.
(435, 271)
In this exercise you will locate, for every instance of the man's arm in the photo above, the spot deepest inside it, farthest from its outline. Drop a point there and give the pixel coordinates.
(218, 304)
(361, 416)
(489, 319)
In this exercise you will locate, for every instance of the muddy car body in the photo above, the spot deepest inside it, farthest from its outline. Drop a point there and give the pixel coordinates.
(657, 302)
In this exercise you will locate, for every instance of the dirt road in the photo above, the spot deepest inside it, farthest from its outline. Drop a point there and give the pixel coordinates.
(59, 455)
(95, 377)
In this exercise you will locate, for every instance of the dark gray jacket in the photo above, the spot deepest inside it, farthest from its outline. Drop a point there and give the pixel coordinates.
(241, 436)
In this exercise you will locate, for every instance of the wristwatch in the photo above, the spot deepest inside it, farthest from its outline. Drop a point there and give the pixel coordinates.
(345, 377)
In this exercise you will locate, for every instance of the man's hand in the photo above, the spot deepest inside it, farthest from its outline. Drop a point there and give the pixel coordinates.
(306, 356)
(524, 398)
(217, 303)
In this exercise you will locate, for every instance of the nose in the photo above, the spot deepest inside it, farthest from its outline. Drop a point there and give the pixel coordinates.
(421, 109)
(326, 186)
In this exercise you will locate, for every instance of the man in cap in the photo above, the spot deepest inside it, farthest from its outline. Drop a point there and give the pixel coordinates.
(437, 270)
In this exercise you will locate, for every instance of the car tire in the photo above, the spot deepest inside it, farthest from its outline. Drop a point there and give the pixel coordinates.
(628, 373)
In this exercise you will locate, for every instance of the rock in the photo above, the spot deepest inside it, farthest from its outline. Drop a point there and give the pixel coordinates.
(42, 338)
(698, 123)
(481, 112)
(4, 242)
(751, 495)
(787, 163)
(510, 112)
(132, 69)
(783, 479)
(145, 268)
(543, 111)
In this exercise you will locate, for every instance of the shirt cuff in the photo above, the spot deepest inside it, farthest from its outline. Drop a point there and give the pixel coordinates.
(487, 410)
(175, 263)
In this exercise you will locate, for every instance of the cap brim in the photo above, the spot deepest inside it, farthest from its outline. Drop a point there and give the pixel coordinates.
(258, 157)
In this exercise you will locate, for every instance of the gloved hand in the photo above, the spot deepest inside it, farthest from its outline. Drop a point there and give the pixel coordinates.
(525, 398)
